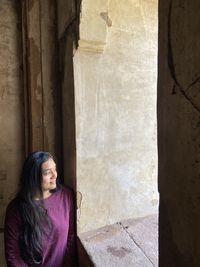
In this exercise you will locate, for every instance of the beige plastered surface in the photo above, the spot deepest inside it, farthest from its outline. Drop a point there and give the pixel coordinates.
(115, 92)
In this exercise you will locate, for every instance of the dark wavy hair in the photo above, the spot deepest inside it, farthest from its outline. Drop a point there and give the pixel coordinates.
(35, 220)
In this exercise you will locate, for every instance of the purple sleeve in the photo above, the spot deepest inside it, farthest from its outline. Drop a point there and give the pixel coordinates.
(11, 233)
(70, 257)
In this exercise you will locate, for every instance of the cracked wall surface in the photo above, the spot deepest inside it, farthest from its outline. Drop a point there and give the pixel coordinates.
(115, 93)
(179, 132)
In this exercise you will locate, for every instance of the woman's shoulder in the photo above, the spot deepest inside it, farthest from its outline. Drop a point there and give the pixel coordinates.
(13, 204)
(67, 193)
(66, 190)
(12, 209)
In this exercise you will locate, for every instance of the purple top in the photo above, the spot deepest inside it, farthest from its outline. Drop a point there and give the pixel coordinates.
(59, 247)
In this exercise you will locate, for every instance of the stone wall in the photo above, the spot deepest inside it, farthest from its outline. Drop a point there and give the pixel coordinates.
(115, 92)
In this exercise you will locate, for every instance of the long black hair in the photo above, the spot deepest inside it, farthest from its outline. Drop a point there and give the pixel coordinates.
(33, 213)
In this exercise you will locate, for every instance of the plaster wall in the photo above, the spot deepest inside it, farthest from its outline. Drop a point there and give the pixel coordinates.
(115, 69)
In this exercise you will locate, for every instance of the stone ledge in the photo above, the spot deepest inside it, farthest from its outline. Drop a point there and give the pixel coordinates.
(127, 243)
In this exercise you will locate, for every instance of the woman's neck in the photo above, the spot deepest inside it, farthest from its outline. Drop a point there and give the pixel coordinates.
(46, 194)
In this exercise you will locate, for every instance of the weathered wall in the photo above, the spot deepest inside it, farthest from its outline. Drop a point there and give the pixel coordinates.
(115, 92)
(29, 96)
(51, 100)
(40, 77)
(179, 132)
(11, 106)
(67, 20)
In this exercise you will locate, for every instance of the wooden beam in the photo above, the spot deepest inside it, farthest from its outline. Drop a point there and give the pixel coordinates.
(33, 78)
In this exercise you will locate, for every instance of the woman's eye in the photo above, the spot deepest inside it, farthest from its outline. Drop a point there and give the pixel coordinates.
(46, 172)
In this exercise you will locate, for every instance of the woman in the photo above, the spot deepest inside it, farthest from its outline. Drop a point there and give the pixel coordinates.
(39, 222)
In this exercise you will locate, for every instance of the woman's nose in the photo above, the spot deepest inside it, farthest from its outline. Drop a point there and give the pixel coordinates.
(54, 173)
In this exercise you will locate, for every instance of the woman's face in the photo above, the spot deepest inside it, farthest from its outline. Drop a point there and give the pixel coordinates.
(49, 176)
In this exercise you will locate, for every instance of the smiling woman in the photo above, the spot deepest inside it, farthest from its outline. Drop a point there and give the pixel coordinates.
(49, 177)
(39, 223)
